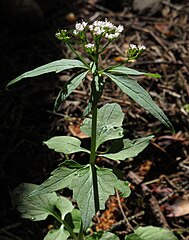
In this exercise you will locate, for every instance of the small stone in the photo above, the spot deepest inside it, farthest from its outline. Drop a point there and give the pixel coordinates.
(147, 7)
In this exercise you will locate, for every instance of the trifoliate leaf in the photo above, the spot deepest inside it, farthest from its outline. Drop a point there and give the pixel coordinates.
(150, 232)
(65, 144)
(140, 95)
(56, 66)
(109, 122)
(125, 148)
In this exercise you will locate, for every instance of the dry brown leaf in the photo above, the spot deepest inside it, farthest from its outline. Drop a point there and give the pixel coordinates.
(179, 208)
(75, 131)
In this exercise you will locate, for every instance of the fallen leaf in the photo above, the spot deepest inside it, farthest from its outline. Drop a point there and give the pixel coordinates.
(75, 131)
(180, 207)
(164, 28)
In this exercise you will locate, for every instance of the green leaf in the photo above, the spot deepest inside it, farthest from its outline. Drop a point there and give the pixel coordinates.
(76, 220)
(57, 234)
(123, 187)
(82, 186)
(130, 71)
(109, 122)
(64, 205)
(35, 208)
(65, 144)
(109, 236)
(125, 70)
(68, 88)
(154, 75)
(150, 232)
(56, 66)
(140, 95)
(100, 235)
(125, 148)
(61, 178)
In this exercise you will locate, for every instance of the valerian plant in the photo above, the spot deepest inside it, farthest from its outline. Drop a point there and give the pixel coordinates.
(91, 184)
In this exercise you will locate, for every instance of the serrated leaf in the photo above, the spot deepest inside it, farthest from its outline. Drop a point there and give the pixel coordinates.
(68, 88)
(125, 148)
(56, 66)
(82, 186)
(109, 122)
(140, 95)
(57, 234)
(61, 178)
(35, 208)
(150, 232)
(65, 144)
(64, 206)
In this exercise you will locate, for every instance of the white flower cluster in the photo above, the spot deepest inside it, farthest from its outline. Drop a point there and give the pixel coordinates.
(79, 27)
(90, 45)
(107, 28)
(139, 47)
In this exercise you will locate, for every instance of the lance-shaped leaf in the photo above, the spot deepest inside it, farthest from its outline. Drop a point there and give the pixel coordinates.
(150, 232)
(35, 208)
(68, 88)
(109, 122)
(61, 178)
(130, 71)
(65, 144)
(125, 148)
(82, 186)
(56, 66)
(140, 95)
(57, 234)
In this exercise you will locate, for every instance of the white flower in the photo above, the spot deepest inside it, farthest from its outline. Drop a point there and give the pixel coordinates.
(133, 46)
(89, 45)
(107, 28)
(141, 47)
(79, 27)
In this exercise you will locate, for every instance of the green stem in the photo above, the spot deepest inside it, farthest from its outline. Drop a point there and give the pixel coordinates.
(93, 158)
(70, 230)
(74, 51)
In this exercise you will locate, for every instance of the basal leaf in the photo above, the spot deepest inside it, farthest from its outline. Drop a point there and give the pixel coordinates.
(65, 144)
(68, 88)
(61, 178)
(82, 187)
(56, 66)
(140, 95)
(150, 232)
(125, 148)
(57, 234)
(130, 71)
(109, 122)
(35, 208)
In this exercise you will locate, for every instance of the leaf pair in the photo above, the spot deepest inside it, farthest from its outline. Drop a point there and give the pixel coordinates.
(79, 179)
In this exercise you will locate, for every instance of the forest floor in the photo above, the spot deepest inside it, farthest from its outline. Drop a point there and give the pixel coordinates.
(159, 176)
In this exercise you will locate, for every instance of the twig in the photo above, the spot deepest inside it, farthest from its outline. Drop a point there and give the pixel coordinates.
(124, 215)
